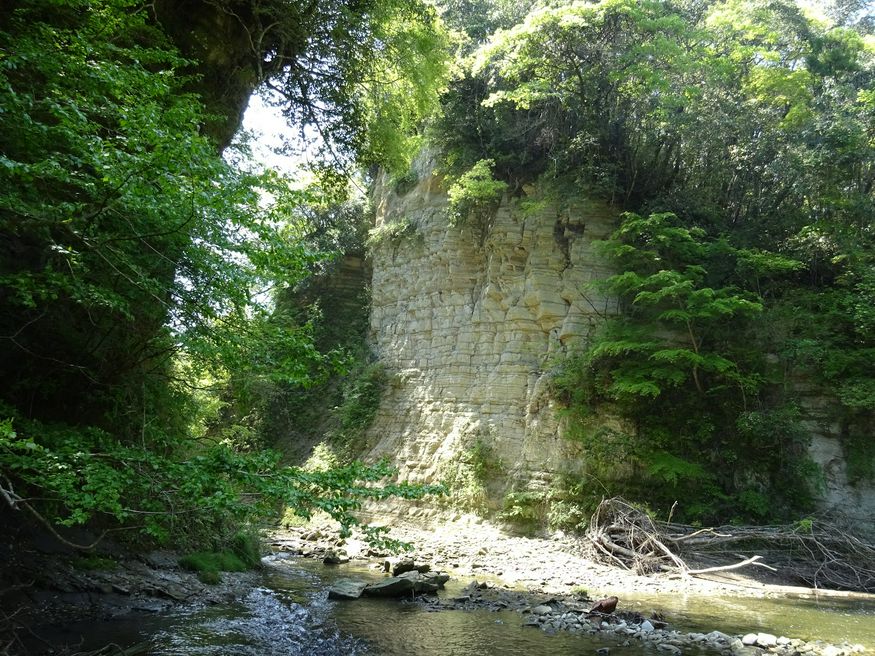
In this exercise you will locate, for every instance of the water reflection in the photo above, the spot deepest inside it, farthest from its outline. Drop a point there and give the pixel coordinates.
(291, 616)
(829, 619)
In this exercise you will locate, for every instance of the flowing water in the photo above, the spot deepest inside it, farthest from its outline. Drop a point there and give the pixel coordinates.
(290, 615)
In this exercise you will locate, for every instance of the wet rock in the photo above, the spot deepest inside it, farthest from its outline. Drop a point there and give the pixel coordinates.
(717, 636)
(669, 649)
(346, 589)
(161, 559)
(429, 582)
(409, 565)
(542, 610)
(333, 557)
(394, 586)
(647, 627)
(403, 566)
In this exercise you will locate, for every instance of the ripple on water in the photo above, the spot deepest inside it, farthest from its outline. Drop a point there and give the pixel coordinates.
(262, 625)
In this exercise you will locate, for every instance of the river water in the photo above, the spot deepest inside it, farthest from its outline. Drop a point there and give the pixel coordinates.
(289, 615)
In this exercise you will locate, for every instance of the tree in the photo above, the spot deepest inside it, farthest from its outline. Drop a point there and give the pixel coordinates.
(682, 368)
(741, 130)
(136, 264)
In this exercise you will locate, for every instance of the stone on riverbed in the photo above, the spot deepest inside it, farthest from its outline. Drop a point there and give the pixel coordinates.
(333, 557)
(409, 565)
(395, 586)
(346, 589)
(429, 582)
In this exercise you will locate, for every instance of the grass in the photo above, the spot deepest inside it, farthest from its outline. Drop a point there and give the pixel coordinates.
(93, 562)
(244, 554)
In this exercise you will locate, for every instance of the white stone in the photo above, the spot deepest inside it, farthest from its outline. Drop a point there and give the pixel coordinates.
(749, 639)
(766, 640)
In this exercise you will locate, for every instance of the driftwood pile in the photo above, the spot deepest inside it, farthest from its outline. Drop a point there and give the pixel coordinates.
(817, 552)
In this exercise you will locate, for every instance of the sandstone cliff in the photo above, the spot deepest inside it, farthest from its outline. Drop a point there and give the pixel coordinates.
(468, 324)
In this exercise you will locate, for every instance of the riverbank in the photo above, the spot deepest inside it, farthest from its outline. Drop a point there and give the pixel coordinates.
(548, 582)
(554, 565)
(552, 582)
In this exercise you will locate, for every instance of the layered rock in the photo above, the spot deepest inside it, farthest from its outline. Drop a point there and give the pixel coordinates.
(468, 323)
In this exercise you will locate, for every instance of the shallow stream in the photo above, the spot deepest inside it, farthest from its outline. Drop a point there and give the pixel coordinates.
(289, 615)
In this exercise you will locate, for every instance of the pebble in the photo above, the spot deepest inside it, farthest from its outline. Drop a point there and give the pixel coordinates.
(564, 611)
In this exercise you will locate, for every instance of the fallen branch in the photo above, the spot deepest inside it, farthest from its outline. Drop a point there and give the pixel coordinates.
(725, 568)
(823, 555)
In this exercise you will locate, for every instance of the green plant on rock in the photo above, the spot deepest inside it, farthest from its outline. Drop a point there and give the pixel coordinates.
(362, 392)
(525, 509)
(471, 476)
(475, 195)
(390, 233)
(678, 368)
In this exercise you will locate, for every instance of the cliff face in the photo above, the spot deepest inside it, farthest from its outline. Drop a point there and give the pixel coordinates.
(468, 324)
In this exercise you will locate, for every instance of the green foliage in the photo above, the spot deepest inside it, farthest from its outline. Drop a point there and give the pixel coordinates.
(93, 562)
(786, 134)
(246, 546)
(485, 465)
(470, 477)
(475, 195)
(390, 233)
(677, 366)
(365, 75)
(404, 184)
(209, 564)
(860, 457)
(212, 561)
(361, 400)
(138, 267)
(189, 493)
(524, 509)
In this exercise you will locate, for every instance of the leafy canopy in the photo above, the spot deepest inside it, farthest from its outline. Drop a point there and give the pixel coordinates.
(137, 267)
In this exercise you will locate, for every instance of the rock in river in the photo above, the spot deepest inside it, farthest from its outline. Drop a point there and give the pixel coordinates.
(346, 589)
(394, 586)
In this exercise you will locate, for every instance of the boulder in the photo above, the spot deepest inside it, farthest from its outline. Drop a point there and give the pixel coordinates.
(333, 557)
(409, 565)
(346, 589)
(394, 586)
(426, 582)
(403, 566)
